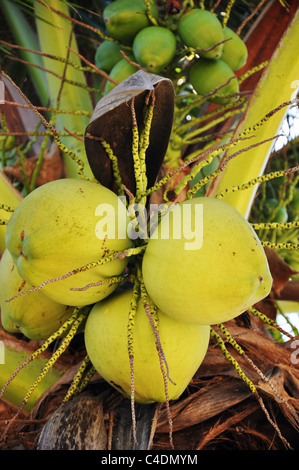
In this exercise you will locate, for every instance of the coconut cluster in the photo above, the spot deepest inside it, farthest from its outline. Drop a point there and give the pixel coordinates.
(150, 301)
(217, 51)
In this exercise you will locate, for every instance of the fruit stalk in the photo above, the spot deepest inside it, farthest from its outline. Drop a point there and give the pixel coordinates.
(55, 29)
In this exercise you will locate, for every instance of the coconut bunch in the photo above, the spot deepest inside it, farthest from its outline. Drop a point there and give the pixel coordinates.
(146, 283)
(151, 300)
(163, 44)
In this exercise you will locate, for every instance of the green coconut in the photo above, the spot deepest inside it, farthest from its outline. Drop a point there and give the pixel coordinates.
(121, 70)
(62, 227)
(154, 48)
(204, 264)
(201, 30)
(125, 18)
(234, 52)
(107, 55)
(33, 314)
(206, 75)
(106, 339)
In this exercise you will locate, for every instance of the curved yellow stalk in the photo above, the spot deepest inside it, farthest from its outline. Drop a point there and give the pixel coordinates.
(12, 354)
(278, 84)
(54, 32)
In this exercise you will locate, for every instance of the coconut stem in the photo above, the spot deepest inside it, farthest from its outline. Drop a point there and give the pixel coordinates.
(268, 321)
(238, 348)
(258, 179)
(79, 383)
(43, 348)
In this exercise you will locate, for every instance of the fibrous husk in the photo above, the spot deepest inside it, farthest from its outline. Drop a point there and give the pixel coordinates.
(219, 411)
(70, 427)
(112, 121)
